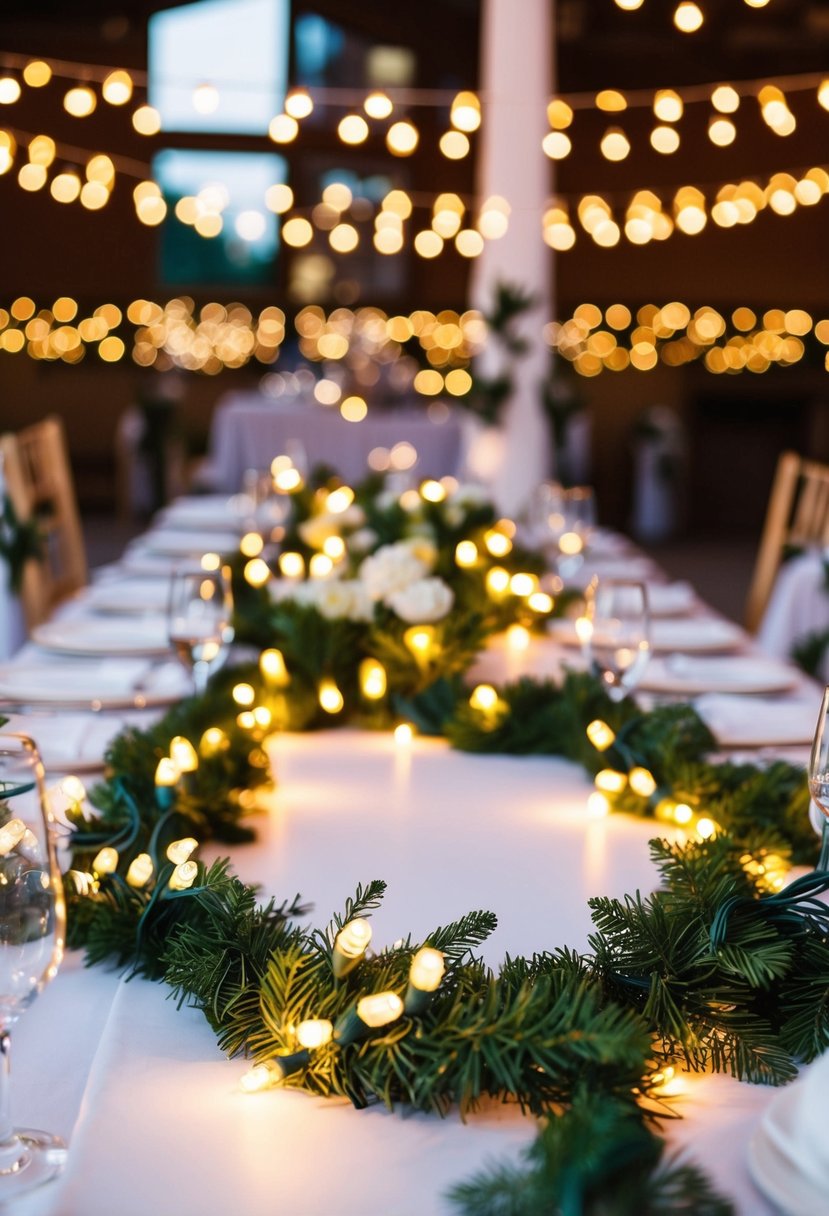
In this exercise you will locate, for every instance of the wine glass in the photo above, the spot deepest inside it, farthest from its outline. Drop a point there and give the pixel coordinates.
(32, 923)
(545, 518)
(615, 634)
(199, 615)
(819, 776)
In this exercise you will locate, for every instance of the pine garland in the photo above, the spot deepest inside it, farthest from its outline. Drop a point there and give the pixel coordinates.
(718, 969)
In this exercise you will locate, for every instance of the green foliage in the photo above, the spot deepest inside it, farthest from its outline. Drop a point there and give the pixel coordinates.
(20, 541)
(598, 1159)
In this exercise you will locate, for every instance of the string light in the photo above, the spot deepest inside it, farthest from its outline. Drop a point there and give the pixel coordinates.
(179, 851)
(600, 735)
(106, 860)
(140, 870)
(183, 876)
(350, 946)
(425, 976)
(329, 696)
(183, 754)
(688, 17)
(373, 680)
(13, 831)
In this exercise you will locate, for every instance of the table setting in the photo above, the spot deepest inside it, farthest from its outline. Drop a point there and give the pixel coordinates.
(458, 745)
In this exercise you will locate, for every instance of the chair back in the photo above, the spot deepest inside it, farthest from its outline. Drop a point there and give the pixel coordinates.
(797, 516)
(39, 485)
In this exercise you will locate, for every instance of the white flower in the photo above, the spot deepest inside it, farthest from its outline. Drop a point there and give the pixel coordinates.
(429, 599)
(362, 540)
(391, 569)
(334, 599)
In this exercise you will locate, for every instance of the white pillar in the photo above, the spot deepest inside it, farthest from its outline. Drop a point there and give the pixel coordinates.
(516, 85)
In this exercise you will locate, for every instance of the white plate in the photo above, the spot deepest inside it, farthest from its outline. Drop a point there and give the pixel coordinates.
(91, 636)
(93, 684)
(171, 543)
(129, 596)
(775, 1173)
(749, 673)
(698, 634)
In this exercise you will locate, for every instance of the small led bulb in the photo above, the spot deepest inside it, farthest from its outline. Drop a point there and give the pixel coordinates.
(183, 876)
(642, 781)
(184, 754)
(272, 666)
(180, 851)
(140, 870)
(600, 735)
(314, 1032)
(167, 772)
(350, 945)
(379, 1009)
(213, 740)
(73, 788)
(373, 679)
(330, 697)
(427, 969)
(11, 834)
(106, 862)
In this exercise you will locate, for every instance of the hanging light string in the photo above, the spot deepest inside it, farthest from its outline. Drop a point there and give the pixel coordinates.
(338, 96)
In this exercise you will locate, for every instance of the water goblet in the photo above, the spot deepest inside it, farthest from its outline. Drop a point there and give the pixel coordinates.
(32, 924)
(615, 634)
(199, 621)
(819, 776)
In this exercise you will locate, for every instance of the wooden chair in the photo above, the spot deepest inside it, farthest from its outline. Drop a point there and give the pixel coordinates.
(797, 516)
(39, 484)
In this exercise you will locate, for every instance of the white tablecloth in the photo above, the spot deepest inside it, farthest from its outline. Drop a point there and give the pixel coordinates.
(154, 1112)
(247, 431)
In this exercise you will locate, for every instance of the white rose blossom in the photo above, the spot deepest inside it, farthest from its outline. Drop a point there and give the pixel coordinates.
(392, 568)
(429, 599)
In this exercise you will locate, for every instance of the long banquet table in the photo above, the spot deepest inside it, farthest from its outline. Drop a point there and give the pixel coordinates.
(153, 1112)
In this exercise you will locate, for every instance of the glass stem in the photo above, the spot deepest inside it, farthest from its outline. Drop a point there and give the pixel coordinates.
(823, 859)
(6, 1129)
(201, 671)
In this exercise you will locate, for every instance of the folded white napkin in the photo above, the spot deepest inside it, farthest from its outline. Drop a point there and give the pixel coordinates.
(736, 722)
(62, 680)
(128, 595)
(744, 673)
(789, 1153)
(208, 511)
(696, 633)
(671, 599)
(183, 542)
(692, 633)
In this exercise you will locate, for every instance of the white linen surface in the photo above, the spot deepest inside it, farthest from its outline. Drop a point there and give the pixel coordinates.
(162, 1113)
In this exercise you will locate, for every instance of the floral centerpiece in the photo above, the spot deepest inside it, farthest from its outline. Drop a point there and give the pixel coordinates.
(379, 598)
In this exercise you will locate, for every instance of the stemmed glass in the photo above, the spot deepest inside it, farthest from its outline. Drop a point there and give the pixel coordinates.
(819, 776)
(615, 634)
(199, 615)
(32, 923)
